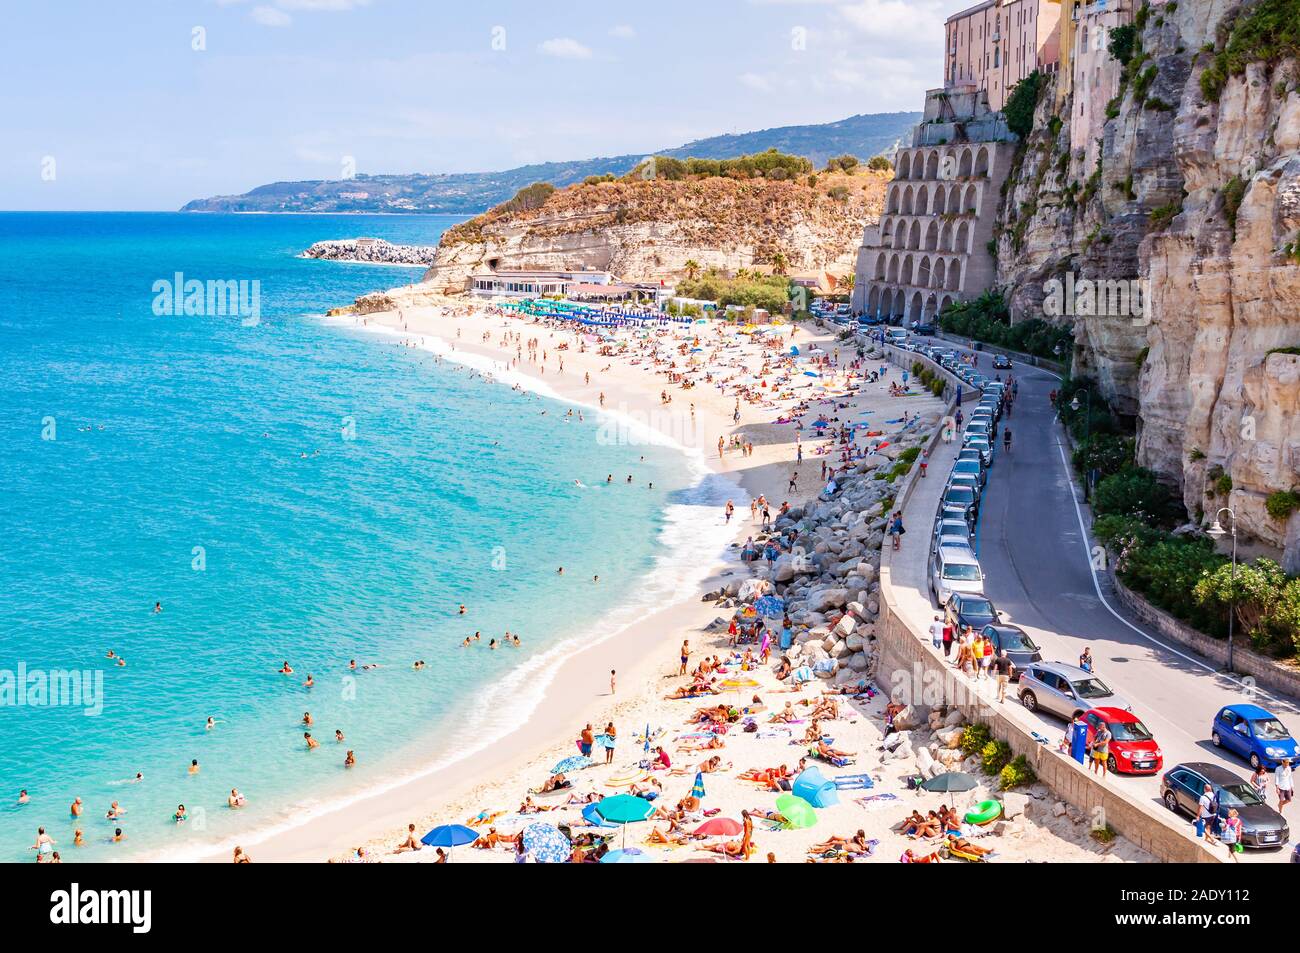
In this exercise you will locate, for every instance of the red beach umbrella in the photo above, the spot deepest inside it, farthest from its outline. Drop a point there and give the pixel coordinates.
(719, 827)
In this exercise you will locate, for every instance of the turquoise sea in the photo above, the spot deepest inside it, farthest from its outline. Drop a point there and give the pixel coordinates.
(289, 489)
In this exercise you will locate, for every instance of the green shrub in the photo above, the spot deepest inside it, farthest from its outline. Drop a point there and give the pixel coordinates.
(937, 387)
(1016, 774)
(1269, 32)
(1134, 492)
(1282, 504)
(1123, 41)
(974, 738)
(1104, 834)
(1265, 603)
(995, 756)
(1020, 104)
(1105, 452)
(1162, 216)
(910, 454)
(1234, 191)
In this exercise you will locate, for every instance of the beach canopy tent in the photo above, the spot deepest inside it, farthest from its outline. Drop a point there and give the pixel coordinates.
(815, 788)
(797, 812)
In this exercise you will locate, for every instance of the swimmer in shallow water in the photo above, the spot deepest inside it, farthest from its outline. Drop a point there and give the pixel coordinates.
(286, 669)
(212, 723)
(350, 760)
(311, 742)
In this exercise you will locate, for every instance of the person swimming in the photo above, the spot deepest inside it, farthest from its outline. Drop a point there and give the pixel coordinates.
(311, 742)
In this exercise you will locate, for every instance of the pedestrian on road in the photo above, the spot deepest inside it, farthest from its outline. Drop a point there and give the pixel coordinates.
(1230, 836)
(947, 639)
(977, 656)
(1206, 811)
(1004, 668)
(937, 629)
(1284, 781)
(925, 459)
(1259, 781)
(1100, 749)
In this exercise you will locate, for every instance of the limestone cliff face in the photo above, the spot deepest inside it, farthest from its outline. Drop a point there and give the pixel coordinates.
(647, 230)
(1200, 201)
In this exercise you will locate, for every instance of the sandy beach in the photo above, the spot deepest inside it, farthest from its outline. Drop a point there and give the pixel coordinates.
(751, 373)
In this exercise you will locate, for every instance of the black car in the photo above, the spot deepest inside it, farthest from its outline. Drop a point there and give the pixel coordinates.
(1001, 362)
(970, 609)
(1020, 648)
(926, 329)
(1181, 788)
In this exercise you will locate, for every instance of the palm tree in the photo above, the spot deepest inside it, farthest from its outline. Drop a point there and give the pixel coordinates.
(848, 281)
(779, 263)
(692, 268)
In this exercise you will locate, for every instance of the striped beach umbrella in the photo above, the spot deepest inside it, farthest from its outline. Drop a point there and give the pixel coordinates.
(697, 789)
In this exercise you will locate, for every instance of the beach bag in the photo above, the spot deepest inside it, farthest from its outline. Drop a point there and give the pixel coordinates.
(914, 783)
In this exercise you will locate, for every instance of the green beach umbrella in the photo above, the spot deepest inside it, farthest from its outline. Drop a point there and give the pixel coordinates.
(797, 812)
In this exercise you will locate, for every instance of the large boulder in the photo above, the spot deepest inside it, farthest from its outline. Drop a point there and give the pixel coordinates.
(824, 599)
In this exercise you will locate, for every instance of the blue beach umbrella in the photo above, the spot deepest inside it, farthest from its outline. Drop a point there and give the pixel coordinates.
(449, 836)
(697, 789)
(647, 736)
(575, 763)
(628, 855)
(546, 844)
(769, 606)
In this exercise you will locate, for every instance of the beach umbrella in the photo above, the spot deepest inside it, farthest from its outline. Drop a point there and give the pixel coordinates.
(739, 683)
(719, 827)
(575, 763)
(591, 814)
(647, 736)
(449, 836)
(625, 808)
(546, 844)
(697, 789)
(821, 423)
(797, 812)
(949, 782)
(627, 855)
(770, 606)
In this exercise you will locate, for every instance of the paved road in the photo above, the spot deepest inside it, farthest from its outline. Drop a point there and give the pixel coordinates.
(1037, 556)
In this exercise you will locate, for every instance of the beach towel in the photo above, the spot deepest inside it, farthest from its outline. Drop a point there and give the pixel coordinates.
(876, 802)
(854, 782)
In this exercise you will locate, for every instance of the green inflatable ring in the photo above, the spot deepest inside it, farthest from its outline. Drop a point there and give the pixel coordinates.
(984, 812)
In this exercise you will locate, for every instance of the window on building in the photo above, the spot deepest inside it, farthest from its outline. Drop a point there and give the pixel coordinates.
(997, 57)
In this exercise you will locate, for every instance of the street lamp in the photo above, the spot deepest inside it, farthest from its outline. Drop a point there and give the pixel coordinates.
(1217, 531)
(1087, 432)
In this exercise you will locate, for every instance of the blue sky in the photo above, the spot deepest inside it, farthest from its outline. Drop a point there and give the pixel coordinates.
(145, 104)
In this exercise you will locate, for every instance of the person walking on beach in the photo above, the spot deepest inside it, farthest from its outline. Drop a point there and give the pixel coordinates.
(610, 737)
(686, 655)
(587, 739)
(731, 508)
(613, 682)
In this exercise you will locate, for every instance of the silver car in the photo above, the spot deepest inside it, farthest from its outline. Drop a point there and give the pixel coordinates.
(1066, 691)
(955, 569)
(953, 530)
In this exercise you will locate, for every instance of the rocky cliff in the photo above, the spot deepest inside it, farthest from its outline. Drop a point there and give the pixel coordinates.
(649, 229)
(1196, 194)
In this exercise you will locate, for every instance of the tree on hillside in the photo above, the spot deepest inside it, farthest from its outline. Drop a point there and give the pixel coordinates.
(780, 263)
(880, 164)
(692, 268)
(1019, 110)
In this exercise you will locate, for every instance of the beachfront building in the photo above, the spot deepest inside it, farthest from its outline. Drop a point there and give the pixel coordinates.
(994, 45)
(533, 284)
(930, 247)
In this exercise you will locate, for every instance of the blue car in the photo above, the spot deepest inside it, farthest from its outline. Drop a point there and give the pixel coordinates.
(1253, 733)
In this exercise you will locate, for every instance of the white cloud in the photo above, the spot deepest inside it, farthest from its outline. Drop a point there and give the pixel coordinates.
(623, 31)
(565, 48)
(755, 81)
(270, 16)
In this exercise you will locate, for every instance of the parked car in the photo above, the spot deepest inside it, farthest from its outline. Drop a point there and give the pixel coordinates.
(981, 444)
(966, 479)
(1133, 749)
(1255, 734)
(971, 453)
(1182, 786)
(926, 329)
(955, 531)
(955, 569)
(964, 497)
(978, 428)
(1065, 690)
(970, 609)
(1001, 362)
(972, 466)
(1020, 648)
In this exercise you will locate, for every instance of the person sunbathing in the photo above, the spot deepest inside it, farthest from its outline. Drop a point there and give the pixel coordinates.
(911, 858)
(490, 839)
(827, 752)
(700, 744)
(712, 765)
(555, 782)
(744, 848)
(814, 732)
(918, 826)
(962, 845)
(591, 797)
(667, 838)
(785, 715)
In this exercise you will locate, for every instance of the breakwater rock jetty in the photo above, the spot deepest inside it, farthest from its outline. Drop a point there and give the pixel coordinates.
(372, 250)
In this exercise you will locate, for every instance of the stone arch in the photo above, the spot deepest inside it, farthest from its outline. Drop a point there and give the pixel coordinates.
(963, 238)
(945, 303)
(964, 163)
(972, 199)
(931, 306)
(882, 262)
(894, 192)
(982, 162)
(923, 272)
(893, 269)
(900, 304)
(873, 300)
(917, 307)
(953, 282)
(940, 201)
(904, 166)
(932, 236)
(905, 276)
(906, 207)
(922, 200)
(954, 198)
(945, 237)
(932, 165)
(914, 237)
(940, 273)
(887, 233)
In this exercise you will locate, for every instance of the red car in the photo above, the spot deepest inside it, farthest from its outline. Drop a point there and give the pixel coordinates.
(1133, 750)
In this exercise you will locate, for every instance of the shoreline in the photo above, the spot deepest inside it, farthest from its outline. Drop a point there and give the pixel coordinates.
(630, 651)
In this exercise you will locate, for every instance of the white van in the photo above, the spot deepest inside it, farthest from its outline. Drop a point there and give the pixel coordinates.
(955, 569)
